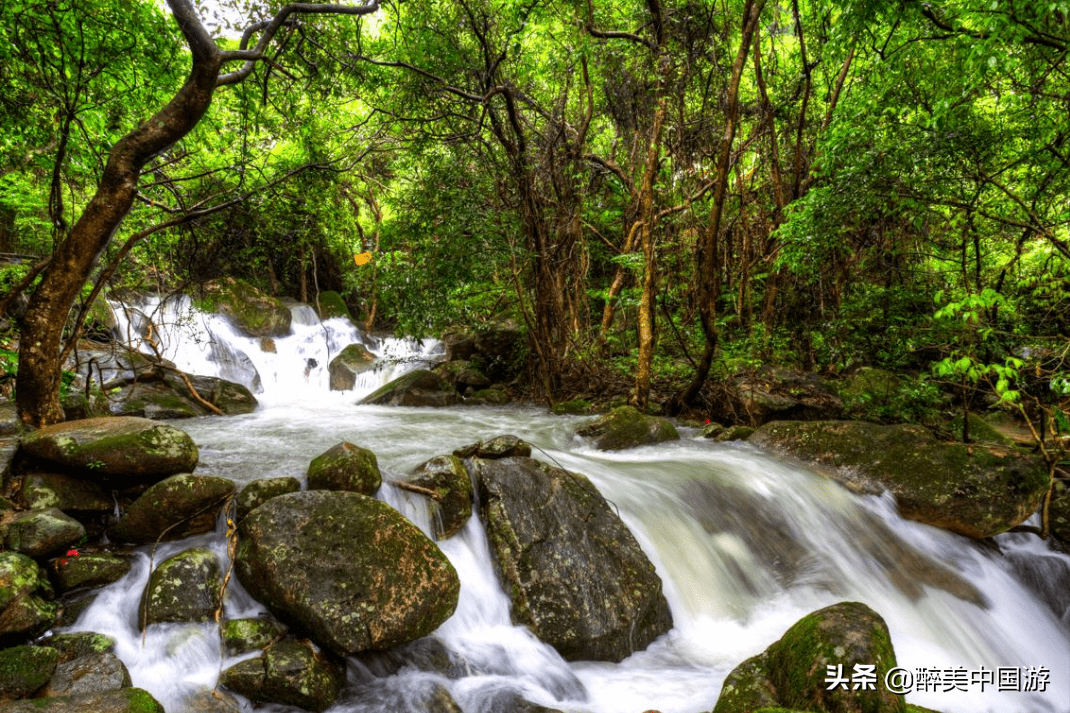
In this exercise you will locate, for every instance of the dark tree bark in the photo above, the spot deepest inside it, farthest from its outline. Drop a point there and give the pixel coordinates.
(40, 367)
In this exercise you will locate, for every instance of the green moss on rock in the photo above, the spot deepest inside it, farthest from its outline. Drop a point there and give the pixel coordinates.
(626, 427)
(24, 669)
(974, 490)
(252, 312)
(174, 508)
(345, 467)
(260, 491)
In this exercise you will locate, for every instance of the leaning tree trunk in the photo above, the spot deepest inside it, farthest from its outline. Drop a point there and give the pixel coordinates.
(38, 383)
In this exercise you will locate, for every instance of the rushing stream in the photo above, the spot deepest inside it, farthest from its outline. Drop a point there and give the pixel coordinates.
(745, 543)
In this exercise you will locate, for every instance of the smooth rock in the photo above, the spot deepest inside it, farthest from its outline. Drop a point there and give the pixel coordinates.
(92, 673)
(355, 359)
(625, 427)
(417, 388)
(38, 533)
(345, 467)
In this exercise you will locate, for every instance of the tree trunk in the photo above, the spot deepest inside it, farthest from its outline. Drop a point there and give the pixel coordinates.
(38, 382)
(708, 248)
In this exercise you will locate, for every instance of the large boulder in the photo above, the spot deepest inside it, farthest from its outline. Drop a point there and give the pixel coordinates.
(345, 467)
(353, 360)
(185, 587)
(775, 393)
(71, 495)
(626, 427)
(124, 700)
(575, 573)
(417, 388)
(347, 570)
(974, 490)
(801, 671)
(124, 450)
(329, 305)
(26, 608)
(252, 312)
(240, 636)
(447, 484)
(168, 396)
(174, 508)
(291, 673)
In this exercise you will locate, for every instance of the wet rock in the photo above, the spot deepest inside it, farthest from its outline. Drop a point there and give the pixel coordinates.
(71, 495)
(446, 483)
(92, 673)
(329, 305)
(494, 396)
(576, 576)
(417, 388)
(346, 569)
(87, 570)
(259, 492)
(185, 587)
(626, 427)
(462, 376)
(734, 433)
(174, 508)
(427, 654)
(211, 701)
(24, 669)
(504, 446)
(289, 673)
(124, 450)
(974, 490)
(353, 360)
(345, 467)
(791, 673)
(25, 594)
(39, 533)
(125, 700)
(72, 607)
(576, 407)
(240, 636)
(79, 644)
(168, 396)
(252, 312)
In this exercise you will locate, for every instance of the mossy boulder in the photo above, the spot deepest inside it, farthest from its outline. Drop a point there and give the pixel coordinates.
(626, 427)
(39, 533)
(979, 431)
(462, 375)
(448, 486)
(87, 570)
(792, 672)
(329, 305)
(258, 492)
(252, 312)
(92, 673)
(26, 608)
(974, 490)
(417, 388)
(774, 393)
(290, 672)
(345, 467)
(734, 433)
(24, 669)
(185, 587)
(345, 569)
(574, 572)
(168, 397)
(576, 407)
(79, 644)
(76, 496)
(494, 396)
(353, 360)
(125, 700)
(240, 636)
(174, 508)
(124, 450)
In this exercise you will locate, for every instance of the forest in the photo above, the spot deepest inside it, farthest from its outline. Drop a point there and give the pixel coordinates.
(660, 195)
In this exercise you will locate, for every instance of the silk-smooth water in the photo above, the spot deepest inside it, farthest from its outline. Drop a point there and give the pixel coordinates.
(745, 544)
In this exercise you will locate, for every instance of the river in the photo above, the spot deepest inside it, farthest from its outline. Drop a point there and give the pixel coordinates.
(746, 544)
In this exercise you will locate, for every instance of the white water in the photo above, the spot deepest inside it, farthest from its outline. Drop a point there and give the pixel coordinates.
(745, 544)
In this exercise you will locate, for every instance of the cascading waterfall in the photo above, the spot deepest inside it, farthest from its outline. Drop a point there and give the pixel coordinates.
(745, 543)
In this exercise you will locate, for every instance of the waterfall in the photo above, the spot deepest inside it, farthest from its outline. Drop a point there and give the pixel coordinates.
(745, 543)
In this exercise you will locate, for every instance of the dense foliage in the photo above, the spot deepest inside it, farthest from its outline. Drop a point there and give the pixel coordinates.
(652, 191)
